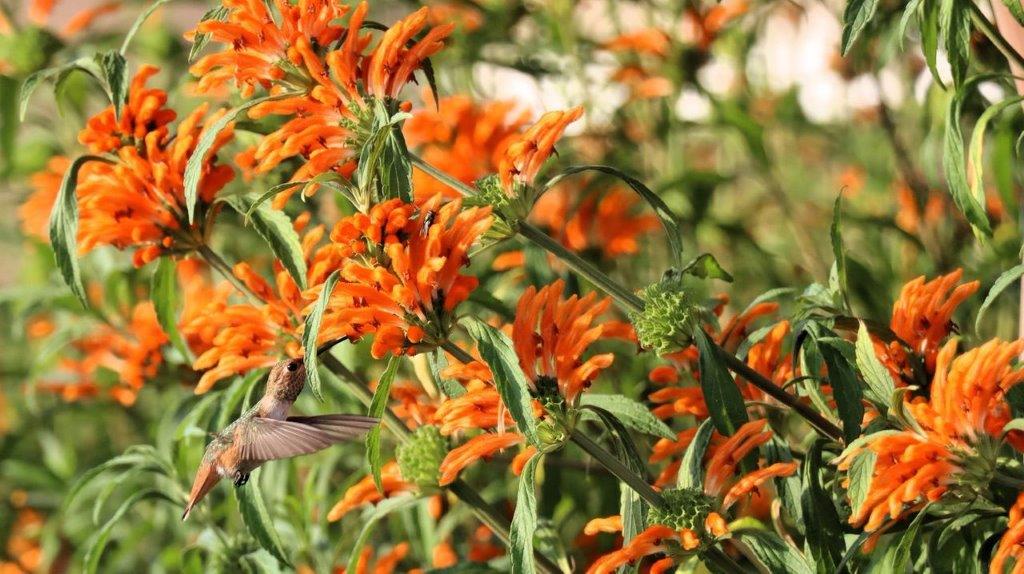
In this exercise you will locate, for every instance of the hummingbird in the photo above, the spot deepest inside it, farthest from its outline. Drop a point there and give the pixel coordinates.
(266, 432)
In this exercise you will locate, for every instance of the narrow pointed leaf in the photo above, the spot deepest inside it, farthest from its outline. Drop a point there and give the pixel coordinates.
(524, 520)
(496, 350)
(631, 413)
(257, 519)
(378, 404)
(276, 229)
(163, 291)
(724, 400)
(691, 472)
(64, 227)
(879, 382)
(312, 332)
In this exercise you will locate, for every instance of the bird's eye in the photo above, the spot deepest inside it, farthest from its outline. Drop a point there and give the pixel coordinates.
(293, 366)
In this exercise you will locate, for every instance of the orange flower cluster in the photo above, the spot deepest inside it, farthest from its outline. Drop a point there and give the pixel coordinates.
(233, 338)
(551, 334)
(402, 279)
(383, 564)
(526, 154)
(921, 318)
(365, 491)
(964, 414)
(307, 51)
(721, 485)
(129, 354)
(464, 139)
(139, 200)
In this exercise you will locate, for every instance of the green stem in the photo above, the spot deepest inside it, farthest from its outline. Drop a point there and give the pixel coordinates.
(440, 175)
(993, 35)
(221, 266)
(617, 468)
(622, 295)
(812, 416)
(458, 352)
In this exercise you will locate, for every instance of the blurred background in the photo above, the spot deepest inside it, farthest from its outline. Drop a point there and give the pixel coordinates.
(740, 114)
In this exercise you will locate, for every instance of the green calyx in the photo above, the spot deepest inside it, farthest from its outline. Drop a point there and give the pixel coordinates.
(685, 508)
(420, 458)
(669, 316)
(509, 210)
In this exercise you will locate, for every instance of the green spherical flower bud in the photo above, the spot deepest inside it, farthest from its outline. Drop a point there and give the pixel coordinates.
(685, 508)
(420, 458)
(508, 210)
(666, 324)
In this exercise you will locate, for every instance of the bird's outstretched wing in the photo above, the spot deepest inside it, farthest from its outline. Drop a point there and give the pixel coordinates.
(270, 439)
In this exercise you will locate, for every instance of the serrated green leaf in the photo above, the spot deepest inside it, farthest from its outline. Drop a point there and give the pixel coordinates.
(668, 219)
(772, 552)
(438, 362)
(846, 389)
(824, 531)
(64, 227)
(1015, 8)
(276, 229)
(163, 291)
(725, 402)
(524, 520)
(861, 470)
(496, 350)
(691, 468)
(955, 28)
(857, 15)
(257, 519)
(899, 560)
(879, 382)
(312, 332)
(115, 77)
(632, 414)
(378, 404)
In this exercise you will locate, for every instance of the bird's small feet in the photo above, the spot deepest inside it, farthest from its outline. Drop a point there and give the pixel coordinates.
(241, 478)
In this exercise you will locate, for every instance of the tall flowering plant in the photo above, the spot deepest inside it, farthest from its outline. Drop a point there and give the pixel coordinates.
(515, 294)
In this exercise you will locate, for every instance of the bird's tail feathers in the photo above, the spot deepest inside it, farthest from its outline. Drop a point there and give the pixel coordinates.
(206, 478)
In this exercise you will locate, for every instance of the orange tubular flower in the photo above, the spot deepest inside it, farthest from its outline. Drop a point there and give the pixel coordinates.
(463, 139)
(695, 518)
(960, 426)
(921, 317)
(473, 450)
(525, 156)
(393, 61)
(131, 352)
(406, 283)
(139, 200)
(767, 358)
(365, 491)
(550, 335)
(259, 45)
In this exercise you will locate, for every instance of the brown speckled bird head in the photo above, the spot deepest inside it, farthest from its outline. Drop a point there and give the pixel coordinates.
(286, 380)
